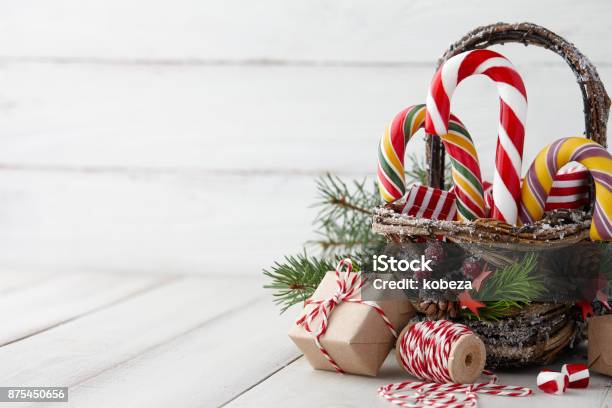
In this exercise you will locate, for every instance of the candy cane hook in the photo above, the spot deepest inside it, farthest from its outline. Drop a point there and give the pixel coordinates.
(513, 114)
(460, 147)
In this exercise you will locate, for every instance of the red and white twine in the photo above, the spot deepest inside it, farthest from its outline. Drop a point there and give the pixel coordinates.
(424, 352)
(316, 320)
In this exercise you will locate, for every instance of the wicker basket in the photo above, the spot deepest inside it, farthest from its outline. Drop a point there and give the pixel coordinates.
(543, 329)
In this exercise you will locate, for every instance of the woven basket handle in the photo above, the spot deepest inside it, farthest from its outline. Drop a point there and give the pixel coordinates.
(594, 96)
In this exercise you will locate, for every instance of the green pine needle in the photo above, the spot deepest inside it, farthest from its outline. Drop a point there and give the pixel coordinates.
(295, 279)
(514, 284)
(494, 311)
(344, 227)
(344, 220)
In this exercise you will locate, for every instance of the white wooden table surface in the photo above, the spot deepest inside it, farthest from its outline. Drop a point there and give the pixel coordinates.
(155, 156)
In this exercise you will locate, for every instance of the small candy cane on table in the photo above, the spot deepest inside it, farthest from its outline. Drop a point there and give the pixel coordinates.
(577, 374)
(552, 382)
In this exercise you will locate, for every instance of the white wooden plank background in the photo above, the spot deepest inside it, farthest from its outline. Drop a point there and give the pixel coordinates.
(82, 348)
(316, 30)
(207, 367)
(129, 166)
(59, 299)
(155, 156)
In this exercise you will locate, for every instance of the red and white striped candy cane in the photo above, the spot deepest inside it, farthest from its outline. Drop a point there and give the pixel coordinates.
(424, 352)
(513, 114)
(316, 320)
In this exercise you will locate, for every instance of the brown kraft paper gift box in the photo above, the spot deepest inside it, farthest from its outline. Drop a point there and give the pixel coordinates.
(600, 344)
(357, 337)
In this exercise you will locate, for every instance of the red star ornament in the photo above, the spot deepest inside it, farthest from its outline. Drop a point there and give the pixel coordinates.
(465, 300)
(585, 308)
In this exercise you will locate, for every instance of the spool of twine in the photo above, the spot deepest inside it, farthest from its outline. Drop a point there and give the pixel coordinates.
(447, 358)
(441, 351)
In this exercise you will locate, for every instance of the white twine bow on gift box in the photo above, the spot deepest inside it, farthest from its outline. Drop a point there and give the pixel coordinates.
(316, 321)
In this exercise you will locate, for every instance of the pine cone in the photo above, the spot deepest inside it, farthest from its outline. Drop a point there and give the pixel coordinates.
(439, 309)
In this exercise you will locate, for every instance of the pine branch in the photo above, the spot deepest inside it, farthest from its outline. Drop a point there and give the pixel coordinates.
(514, 282)
(344, 218)
(344, 226)
(495, 310)
(508, 289)
(343, 203)
(294, 280)
(337, 199)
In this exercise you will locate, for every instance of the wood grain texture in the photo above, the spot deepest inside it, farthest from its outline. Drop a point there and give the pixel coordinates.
(17, 280)
(246, 120)
(195, 164)
(152, 224)
(208, 366)
(49, 302)
(298, 386)
(388, 30)
(83, 348)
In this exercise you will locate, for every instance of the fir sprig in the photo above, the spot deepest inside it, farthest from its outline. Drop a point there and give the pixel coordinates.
(494, 310)
(514, 285)
(344, 225)
(295, 279)
(514, 282)
(343, 222)
(344, 228)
